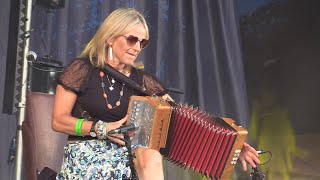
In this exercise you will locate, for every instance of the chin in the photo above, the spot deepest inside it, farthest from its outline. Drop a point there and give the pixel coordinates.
(128, 62)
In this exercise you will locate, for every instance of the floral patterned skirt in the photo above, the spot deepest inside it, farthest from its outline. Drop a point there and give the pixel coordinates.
(94, 159)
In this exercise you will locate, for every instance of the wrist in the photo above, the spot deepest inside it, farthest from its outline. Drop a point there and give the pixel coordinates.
(78, 127)
(101, 129)
(93, 132)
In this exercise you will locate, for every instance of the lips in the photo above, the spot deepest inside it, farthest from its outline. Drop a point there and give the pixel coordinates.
(134, 55)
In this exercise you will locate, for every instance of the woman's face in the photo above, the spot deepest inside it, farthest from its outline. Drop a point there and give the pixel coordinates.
(124, 52)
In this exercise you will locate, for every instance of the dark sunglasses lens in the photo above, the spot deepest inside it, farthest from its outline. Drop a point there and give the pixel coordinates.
(132, 40)
(144, 43)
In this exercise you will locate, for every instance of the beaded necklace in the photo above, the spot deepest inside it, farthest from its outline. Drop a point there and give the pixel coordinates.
(111, 88)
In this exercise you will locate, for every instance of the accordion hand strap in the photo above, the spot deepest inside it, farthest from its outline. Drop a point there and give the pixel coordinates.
(83, 113)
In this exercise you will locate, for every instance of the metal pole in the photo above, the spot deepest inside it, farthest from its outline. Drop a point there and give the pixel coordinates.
(24, 88)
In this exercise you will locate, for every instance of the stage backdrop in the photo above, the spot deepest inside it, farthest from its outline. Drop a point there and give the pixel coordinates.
(7, 122)
(194, 46)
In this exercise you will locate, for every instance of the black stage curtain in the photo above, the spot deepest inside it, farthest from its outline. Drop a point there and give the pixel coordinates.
(194, 47)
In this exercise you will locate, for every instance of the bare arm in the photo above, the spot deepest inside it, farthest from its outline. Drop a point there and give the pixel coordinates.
(63, 121)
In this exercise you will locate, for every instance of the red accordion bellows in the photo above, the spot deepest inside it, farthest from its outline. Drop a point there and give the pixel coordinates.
(199, 141)
(194, 140)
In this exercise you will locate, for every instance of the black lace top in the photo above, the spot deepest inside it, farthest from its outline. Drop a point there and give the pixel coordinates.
(84, 80)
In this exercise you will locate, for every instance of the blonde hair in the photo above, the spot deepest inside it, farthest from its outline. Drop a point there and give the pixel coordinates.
(116, 24)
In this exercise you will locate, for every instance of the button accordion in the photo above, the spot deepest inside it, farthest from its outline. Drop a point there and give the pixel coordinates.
(187, 136)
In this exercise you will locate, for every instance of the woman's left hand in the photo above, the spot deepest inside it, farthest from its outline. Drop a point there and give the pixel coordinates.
(250, 155)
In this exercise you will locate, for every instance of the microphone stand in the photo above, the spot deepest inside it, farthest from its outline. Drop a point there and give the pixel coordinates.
(256, 174)
(134, 174)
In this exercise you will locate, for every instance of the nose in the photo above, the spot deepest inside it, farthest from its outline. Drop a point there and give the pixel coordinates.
(137, 46)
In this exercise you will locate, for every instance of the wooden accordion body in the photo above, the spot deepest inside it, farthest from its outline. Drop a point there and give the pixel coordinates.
(187, 136)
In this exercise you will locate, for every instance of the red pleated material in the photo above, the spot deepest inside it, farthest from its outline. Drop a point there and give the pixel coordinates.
(199, 141)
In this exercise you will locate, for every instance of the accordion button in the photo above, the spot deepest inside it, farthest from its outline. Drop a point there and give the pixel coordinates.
(238, 151)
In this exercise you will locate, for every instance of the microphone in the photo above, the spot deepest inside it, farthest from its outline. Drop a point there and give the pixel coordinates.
(125, 128)
(32, 56)
(262, 151)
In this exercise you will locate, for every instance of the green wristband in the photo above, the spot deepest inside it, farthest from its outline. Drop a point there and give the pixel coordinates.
(78, 128)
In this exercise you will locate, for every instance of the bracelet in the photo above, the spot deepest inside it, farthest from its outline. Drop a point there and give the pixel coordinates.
(78, 127)
(101, 129)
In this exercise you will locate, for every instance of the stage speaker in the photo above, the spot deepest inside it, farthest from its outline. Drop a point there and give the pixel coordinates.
(44, 78)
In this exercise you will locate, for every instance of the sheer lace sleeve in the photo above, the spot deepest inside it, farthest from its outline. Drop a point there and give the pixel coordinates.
(76, 75)
(153, 85)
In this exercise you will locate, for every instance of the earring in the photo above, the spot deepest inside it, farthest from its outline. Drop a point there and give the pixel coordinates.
(110, 53)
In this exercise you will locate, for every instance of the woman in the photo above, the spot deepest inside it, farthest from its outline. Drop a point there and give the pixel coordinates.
(86, 86)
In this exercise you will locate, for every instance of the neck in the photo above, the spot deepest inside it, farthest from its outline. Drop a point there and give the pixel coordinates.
(122, 68)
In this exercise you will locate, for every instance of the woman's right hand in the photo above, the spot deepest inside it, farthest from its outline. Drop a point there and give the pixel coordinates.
(115, 125)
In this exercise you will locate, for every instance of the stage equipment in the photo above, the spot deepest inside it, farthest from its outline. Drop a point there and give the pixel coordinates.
(21, 80)
(125, 128)
(256, 174)
(127, 141)
(51, 4)
(43, 72)
(187, 136)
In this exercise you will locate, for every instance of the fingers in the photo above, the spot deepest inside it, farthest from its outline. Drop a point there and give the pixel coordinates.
(256, 160)
(244, 165)
(116, 140)
(254, 151)
(117, 124)
(119, 141)
(253, 155)
(247, 147)
(244, 158)
(250, 155)
(250, 161)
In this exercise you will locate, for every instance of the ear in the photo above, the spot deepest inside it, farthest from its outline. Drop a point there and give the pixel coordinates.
(110, 41)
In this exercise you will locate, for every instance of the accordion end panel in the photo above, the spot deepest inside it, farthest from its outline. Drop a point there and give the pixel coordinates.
(160, 127)
(236, 149)
(143, 110)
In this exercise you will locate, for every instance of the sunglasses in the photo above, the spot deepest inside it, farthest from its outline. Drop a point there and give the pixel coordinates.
(132, 40)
